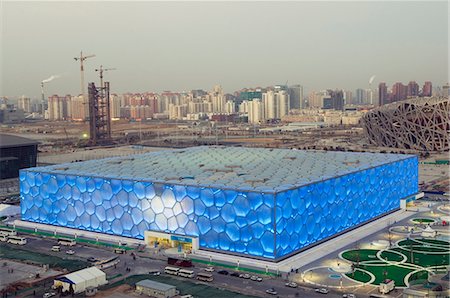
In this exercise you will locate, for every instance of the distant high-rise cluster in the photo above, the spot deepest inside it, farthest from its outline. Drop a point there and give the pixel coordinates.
(255, 105)
(328, 99)
(401, 92)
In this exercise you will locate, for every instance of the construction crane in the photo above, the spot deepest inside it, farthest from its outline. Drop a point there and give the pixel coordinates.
(101, 70)
(81, 59)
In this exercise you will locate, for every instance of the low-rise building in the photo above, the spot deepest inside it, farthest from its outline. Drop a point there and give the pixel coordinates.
(79, 281)
(155, 289)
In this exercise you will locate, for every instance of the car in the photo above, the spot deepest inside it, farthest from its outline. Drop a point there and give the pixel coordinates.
(259, 279)
(56, 248)
(348, 296)
(49, 294)
(119, 250)
(291, 284)
(322, 291)
(92, 259)
(254, 277)
(241, 275)
(223, 272)
(70, 252)
(235, 274)
(271, 291)
(187, 296)
(209, 269)
(154, 272)
(246, 276)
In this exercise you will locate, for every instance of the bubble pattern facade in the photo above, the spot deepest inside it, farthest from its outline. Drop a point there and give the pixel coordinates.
(255, 224)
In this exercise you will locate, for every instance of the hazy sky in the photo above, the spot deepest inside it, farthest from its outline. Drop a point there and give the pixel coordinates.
(180, 46)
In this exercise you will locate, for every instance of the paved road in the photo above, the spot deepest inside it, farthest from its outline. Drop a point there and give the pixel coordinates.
(144, 262)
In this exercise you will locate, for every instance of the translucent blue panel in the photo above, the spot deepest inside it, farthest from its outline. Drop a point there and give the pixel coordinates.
(249, 223)
(332, 206)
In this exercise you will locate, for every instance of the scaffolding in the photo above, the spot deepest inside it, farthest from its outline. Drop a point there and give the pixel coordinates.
(99, 115)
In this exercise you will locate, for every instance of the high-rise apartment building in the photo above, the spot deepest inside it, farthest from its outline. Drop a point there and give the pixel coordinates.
(334, 100)
(270, 104)
(399, 92)
(296, 97)
(256, 111)
(115, 104)
(58, 107)
(348, 97)
(78, 109)
(283, 100)
(413, 89)
(24, 103)
(427, 89)
(360, 96)
(382, 94)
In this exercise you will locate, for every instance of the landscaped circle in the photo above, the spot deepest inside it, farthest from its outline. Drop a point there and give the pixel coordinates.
(423, 220)
(406, 261)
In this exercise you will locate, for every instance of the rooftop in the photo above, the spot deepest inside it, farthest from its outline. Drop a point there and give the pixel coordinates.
(7, 141)
(154, 285)
(246, 169)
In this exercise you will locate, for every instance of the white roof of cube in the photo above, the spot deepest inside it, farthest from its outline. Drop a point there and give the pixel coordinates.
(246, 169)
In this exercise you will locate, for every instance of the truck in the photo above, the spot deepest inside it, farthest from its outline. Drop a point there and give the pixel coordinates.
(386, 286)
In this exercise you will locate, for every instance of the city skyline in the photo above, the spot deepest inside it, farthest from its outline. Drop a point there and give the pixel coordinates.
(204, 44)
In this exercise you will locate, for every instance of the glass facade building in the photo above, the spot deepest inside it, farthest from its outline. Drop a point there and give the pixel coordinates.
(261, 203)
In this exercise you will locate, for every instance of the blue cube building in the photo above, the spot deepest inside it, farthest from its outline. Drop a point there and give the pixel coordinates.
(255, 202)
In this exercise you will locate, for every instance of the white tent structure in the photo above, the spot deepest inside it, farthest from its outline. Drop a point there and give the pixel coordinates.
(9, 210)
(80, 280)
(428, 233)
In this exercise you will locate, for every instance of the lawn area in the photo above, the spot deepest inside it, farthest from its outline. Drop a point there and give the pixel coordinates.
(434, 241)
(361, 254)
(423, 220)
(419, 276)
(359, 276)
(184, 286)
(15, 253)
(425, 260)
(392, 272)
(391, 256)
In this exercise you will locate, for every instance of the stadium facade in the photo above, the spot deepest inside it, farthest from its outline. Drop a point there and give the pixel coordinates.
(419, 123)
(259, 203)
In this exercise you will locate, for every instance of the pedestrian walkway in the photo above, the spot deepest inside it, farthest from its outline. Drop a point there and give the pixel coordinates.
(88, 237)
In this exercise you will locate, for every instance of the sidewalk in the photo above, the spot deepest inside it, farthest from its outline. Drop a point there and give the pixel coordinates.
(79, 233)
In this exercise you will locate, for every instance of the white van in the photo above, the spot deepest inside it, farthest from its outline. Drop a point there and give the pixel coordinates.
(56, 248)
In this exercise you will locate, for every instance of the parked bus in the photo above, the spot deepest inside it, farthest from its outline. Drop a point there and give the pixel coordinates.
(8, 232)
(171, 270)
(186, 273)
(67, 242)
(17, 240)
(203, 276)
(180, 262)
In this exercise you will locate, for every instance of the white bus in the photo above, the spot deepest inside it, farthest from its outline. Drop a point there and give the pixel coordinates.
(17, 240)
(67, 242)
(186, 273)
(171, 270)
(8, 231)
(203, 276)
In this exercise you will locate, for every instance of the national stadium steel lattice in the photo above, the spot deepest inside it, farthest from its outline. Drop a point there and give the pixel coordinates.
(420, 123)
